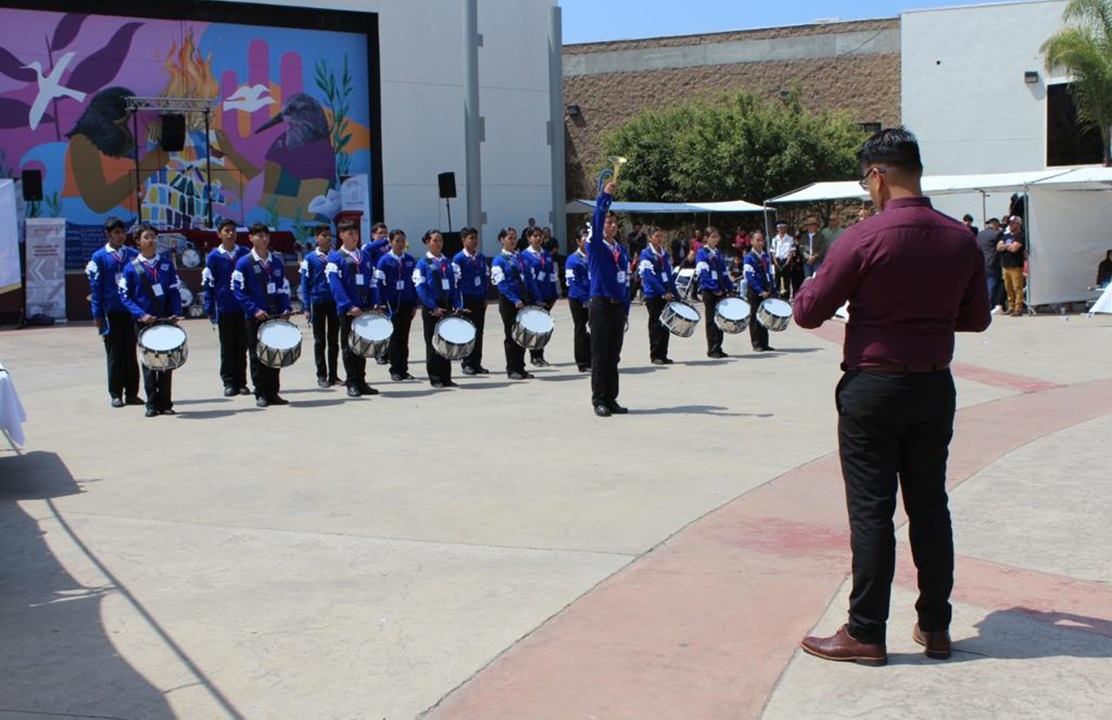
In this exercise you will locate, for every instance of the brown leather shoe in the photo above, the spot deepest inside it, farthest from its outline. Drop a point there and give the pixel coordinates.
(842, 647)
(936, 642)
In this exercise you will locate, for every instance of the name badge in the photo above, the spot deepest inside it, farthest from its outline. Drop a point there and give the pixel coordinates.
(270, 288)
(156, 288)
(359, 279)
(621, 276)
(541, 276)
(445, 285)
(119, 278)
(478, 281)
(713, 274)
(664, 275)
(400, 285)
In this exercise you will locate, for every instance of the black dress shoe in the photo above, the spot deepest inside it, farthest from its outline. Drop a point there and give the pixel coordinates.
(843, 647)
(151, 412)
(518, 376)
(657, 361)
(323, 383)
(396, 377)
(117, 402)
(935, 642)
(436, 384)
(245, 390)
(584, 368)
(168, 411)
(134, 400)
(768, 348)
(618, 409)
(230, 392)
(278, 400)
(382, 360)
(262, 402)
(354, 391)
(602, 411)
(668, 361)
(335, 381)
(482, 371)
(469, 371)
(449, 383)
(367, 389)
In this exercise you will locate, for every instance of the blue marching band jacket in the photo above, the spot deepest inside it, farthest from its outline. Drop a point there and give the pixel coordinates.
(216, 281)
(608, 266)
(375, 250)
(513, 277)
(657, 279)
(544, 273)
(575, 272)
(151, 287)
(352, 280)
(261, 286)
(758, 272)
(314, 286)
(395, 279)
(434, 278)
(710, 269)
(106, 271)
(473, 274)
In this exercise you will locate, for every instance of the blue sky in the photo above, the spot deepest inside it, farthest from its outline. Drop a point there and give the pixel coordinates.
(595, 20)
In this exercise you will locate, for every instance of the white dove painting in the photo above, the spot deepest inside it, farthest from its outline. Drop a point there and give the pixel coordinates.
(249, 98)
(50, 88)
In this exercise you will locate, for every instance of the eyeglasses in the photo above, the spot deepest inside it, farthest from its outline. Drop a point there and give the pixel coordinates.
(864, 181)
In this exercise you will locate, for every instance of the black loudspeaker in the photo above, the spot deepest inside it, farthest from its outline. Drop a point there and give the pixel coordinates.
(32, 185)
(447, 183)
(453, 243)
(173, 132)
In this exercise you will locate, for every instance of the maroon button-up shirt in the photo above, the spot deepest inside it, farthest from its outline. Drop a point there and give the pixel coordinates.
(912, 279)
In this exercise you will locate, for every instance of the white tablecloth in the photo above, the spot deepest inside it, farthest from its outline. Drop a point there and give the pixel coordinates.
(12, 415)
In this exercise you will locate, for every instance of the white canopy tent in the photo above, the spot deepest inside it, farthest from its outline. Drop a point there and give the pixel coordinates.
(651, 208)
(1069, 213)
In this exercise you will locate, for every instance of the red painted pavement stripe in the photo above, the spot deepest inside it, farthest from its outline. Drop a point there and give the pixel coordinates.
(703, 626)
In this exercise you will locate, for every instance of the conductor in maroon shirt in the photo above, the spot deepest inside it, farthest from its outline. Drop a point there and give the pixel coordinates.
(912, 279)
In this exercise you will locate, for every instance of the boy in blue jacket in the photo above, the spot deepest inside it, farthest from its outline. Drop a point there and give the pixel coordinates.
(320, 308)
(435, 281)
(260, 285)
(224, 311)
(105, 270)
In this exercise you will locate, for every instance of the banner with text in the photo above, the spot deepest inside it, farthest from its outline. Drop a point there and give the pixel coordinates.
(9, 238)
(46, 267)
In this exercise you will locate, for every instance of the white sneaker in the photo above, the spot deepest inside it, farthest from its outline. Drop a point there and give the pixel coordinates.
(997, 310)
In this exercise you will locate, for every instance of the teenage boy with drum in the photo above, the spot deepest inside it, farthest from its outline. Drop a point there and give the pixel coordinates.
(516, 289)
(395, 277)
(150, 291)
(474, 284)
(437, 289)
(544, 275)
(259, 283)
(759, 287)
(658, 285)
(354, 289)
(714, 284)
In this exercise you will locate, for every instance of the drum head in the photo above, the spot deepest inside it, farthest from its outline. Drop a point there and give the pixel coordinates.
(162, 338)
(279, 334)
(372, 326)
(186, 296)
(535, 320)
(777, 307)
(733, 309)
(684, 310)
(190, 258)
(458, 331)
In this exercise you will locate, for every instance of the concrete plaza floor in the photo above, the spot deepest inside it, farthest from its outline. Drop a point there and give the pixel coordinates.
(496, 551)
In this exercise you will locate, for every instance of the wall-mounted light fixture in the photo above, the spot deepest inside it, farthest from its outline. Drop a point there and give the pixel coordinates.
(574, 111)
(1031, 77)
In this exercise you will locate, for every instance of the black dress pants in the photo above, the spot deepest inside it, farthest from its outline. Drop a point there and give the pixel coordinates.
(658, 334)
(581, 340)
(398, 349)
(477, 307)
(515, 354)
(896, 428)
(263, 377)
(437, 368)
(157, 385)
(326, 339)
(120, 351)
(607, 321)
(758, 334)
(714, 334)
(355, 365)
(233, 349)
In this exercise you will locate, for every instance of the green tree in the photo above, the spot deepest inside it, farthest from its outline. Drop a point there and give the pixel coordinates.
(731, 147)
(1085, 51)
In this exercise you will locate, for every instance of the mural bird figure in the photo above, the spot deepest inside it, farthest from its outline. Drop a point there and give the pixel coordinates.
(50, 88)
(300, 163)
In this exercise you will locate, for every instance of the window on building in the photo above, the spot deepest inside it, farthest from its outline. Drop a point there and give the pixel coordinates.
(1066, 142)
(871, 127)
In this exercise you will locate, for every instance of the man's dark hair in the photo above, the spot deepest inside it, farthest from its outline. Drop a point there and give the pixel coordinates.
(967, 218)
(259, 229)
(321, 230)
(992, 221)
(346, 225)
(468, 232)
(379, 226)
(226, 222)
(112, 222)
(894, 147)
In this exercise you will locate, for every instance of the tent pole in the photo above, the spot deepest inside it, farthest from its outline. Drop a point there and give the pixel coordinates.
(1027, 237)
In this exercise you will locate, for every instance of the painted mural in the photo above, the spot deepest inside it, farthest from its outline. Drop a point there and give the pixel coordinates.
(290, 112)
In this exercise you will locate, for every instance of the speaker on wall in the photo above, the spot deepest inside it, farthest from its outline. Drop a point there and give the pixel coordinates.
(173, 132)
(32, 185)
(447, 183)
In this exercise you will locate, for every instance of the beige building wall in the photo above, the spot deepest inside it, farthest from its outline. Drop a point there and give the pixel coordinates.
(853, 66)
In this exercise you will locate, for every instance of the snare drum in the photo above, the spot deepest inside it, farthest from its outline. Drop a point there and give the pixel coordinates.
(533, 328)
(731, 315)
(453, 338)
(163, 347)
(370, 334)
(680, 318)
(774, 314)
(278, 344)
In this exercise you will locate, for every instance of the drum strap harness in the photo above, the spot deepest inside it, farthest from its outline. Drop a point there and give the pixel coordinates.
(149, 275)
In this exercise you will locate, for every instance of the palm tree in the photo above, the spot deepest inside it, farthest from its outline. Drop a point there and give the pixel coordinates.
(1085, 50)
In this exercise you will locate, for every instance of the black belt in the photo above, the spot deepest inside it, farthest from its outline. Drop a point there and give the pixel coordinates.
(897, 368)
(607, 299)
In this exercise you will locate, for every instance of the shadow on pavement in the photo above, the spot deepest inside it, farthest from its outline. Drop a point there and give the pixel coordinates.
(57, 657)
(695, 410)
(208, 414)
(484, 385)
